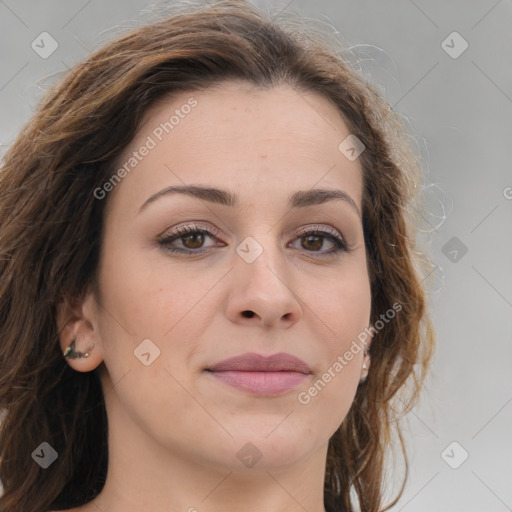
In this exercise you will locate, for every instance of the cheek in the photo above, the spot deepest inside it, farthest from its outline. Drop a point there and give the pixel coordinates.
(332, 391)
(135, 292)
(344, 309)
(145, 299)
(343, 306)
(353, 312)
(147, 341)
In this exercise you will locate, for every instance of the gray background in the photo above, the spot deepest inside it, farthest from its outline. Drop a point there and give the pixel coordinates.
(459, 109)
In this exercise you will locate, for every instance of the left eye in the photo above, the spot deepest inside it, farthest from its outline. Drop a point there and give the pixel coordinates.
(193, 238)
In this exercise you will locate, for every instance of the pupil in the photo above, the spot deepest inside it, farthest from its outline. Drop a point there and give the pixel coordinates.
(316, 245)
(198, 237)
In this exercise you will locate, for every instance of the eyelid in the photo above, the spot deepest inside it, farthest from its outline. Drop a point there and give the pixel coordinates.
(188, 227)
(319, 227)
(214, 231)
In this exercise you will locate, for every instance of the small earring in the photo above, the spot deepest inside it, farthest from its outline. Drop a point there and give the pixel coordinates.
(365, 366)
(71, 353)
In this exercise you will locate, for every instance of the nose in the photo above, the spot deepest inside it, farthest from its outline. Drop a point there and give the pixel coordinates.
(262, 292)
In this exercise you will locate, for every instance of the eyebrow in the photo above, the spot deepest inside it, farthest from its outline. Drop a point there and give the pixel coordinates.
(299, 199)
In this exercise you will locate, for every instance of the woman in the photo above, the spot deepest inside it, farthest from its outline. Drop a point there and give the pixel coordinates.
(210, 293)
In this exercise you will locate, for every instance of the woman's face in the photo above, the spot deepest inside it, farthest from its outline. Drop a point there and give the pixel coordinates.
(248, 279)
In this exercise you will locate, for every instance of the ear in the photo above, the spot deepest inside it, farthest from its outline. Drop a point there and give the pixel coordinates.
(76, 320)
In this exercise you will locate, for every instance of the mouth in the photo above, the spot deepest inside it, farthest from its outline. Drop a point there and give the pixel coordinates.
(261, 375)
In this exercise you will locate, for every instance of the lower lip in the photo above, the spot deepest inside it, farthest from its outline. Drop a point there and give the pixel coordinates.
(261, 383)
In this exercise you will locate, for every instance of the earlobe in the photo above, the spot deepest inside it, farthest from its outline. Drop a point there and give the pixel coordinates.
(78, 338)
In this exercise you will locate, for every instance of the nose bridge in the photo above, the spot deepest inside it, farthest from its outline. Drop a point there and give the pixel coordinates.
(262, 262)
(262, 281)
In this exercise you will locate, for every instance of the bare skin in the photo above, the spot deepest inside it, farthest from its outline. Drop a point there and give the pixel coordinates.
(174, 429)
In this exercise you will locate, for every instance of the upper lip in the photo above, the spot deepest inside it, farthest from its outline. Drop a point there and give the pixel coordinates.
(252, 362)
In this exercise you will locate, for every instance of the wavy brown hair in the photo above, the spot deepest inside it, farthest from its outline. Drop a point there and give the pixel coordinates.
(51, 227)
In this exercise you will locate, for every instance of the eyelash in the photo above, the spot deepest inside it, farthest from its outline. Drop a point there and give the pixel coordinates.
(326, 232)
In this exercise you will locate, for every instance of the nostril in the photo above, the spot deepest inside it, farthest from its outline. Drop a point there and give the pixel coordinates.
(248, 314)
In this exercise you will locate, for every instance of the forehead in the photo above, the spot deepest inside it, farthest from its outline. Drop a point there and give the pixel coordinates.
(258, 142)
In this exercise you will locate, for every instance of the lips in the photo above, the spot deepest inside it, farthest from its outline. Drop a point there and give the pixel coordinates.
(252, 362)
(260, 375)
